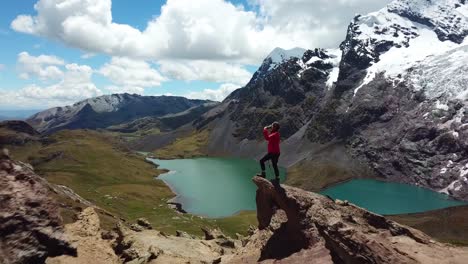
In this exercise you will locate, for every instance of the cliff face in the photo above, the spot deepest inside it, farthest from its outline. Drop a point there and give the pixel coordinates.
(296, 226)
(30, 225)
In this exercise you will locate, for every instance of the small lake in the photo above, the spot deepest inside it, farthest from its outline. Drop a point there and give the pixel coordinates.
(220, 187)
(213, 187)
(390, 198)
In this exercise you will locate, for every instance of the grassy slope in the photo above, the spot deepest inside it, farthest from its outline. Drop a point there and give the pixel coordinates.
(95, 167)
(186, 147)
(319, 176)
(448, 225)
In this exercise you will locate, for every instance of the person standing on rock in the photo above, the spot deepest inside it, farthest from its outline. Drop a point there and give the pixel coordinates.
(272, 135)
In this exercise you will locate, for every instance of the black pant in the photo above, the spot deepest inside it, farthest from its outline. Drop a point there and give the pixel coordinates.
(274, 159)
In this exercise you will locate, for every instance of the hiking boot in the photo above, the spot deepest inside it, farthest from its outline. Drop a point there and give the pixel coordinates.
(261, 174)
(276, 181)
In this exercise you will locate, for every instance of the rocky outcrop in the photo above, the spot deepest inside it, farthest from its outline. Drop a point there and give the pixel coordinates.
(109, 110)
(86, 235)
(144, 245)
(30, 224)
(296, 226)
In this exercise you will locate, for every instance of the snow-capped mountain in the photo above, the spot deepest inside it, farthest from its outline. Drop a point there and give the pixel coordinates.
(107, 110)
(401, 35)
(279, 55)
(395, 95)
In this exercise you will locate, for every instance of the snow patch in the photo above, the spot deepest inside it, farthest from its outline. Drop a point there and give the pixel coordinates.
(464, 171)
(418, 56)
(441, 106)
(335, 59)
(443, 75)
(279, 55)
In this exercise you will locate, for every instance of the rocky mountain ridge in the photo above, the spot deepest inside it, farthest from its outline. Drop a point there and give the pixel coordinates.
(395, 96)
(108, 110)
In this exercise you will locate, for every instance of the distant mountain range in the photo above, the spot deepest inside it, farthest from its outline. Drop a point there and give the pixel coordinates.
(393, 96)
(109, 110)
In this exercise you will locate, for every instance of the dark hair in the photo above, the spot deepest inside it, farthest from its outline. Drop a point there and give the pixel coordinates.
(276, 125)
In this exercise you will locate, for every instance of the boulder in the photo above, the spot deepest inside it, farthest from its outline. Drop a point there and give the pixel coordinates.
(86, 235)
(30, 224)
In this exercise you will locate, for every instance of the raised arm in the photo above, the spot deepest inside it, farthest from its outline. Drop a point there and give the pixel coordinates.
(266, 134)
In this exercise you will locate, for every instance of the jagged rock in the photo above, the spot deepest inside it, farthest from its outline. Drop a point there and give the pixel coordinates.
(136, 227)
(183, 234)
(213, 234)
(136, 247)
(316, 228)
(85, 233)
(30, 224)
(144, 223)
(109, 235)
(343, 203)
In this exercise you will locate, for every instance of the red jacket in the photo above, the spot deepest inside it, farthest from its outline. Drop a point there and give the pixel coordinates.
(273, 141)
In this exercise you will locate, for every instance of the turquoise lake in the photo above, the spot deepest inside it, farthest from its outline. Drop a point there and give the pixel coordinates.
(390, 198)
(213, 187)
(220, 187)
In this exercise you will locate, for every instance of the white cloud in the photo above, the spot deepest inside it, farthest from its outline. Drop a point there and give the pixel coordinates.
(197, 29)
(131, 75)
(44, 67)
(215, 95)
(314, 23)
(211, 71)
(2, 67)
(75, 85)
(125, 89)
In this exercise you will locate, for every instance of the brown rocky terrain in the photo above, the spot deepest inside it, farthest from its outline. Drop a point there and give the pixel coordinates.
(30, 224)
(85, 234)
(295, 226)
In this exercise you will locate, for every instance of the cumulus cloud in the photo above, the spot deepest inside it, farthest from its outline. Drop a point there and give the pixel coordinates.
(314, 23)
(198, 29)
(214, 94)
(75, 85)
(211, 71)
(130, 75)
(44, 66)
(209, 40)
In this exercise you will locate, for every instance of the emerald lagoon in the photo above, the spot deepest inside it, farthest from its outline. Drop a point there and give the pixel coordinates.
(221, 187)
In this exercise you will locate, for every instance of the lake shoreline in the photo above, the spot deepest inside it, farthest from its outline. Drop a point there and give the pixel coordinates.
(233, 173)
(180, 194)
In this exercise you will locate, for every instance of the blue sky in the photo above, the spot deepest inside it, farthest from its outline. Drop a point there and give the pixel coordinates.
(63, 51)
